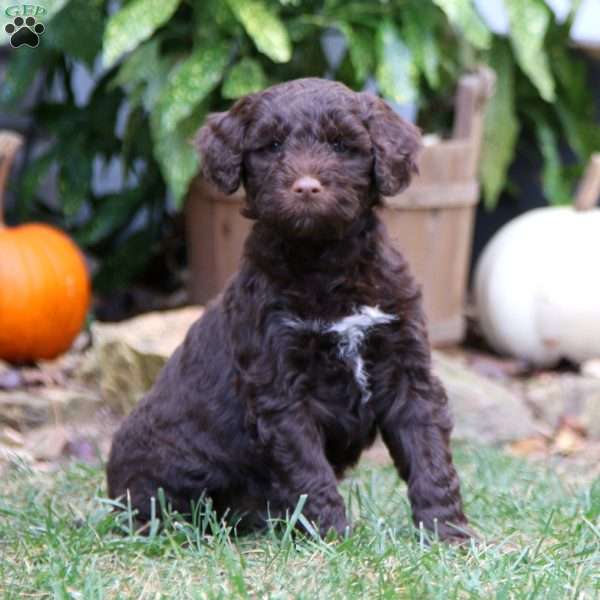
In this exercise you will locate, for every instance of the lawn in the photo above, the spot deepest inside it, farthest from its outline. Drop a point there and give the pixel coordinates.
(58, 538)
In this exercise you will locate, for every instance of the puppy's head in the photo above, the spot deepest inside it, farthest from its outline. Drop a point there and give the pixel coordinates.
(312, 154)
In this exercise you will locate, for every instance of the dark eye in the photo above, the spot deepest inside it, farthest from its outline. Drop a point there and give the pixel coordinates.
(274, 146)
(339, 146)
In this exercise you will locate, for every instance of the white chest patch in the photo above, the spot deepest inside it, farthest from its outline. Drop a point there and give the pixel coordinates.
(351, 331)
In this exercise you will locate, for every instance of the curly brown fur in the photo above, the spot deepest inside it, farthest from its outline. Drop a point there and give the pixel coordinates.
(261, 403)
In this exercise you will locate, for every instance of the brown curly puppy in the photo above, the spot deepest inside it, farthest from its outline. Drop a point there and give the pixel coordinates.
(317, 343)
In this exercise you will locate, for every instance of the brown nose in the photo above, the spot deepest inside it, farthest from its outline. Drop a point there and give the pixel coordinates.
(307, 185)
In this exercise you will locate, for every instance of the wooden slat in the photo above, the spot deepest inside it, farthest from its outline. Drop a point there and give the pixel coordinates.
(446, 160)
(10, 142)
(474, 91)
(588, 190)
(435, 195)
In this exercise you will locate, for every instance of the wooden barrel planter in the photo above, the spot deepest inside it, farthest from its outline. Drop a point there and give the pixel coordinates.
(431, 222)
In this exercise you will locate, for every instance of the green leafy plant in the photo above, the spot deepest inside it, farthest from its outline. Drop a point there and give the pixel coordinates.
(159, 66)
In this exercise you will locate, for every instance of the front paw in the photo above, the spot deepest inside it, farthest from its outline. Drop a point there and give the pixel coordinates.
(459, 534)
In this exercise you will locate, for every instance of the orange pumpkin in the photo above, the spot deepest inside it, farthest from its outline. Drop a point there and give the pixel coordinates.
(44, 286)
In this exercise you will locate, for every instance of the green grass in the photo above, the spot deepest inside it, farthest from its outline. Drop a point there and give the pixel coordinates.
(58, 539)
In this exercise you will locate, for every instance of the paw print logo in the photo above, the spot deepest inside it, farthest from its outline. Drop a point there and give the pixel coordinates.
(24, 32)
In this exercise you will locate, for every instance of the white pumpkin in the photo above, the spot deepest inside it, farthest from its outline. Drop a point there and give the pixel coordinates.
(537, 286)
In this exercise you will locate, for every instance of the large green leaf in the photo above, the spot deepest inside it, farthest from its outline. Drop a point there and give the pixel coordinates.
(144, 74)
(77, 30)
(264, 27)
(74, 180)
(501, 125)
(133, 24)
(140, 65)
(465, 18)
(360, 47)
(127, 261)
(175, 153)
(189, 83)
(574, 105)
(52, 7)
(111, 213)
(33, 176)
(396, 72)
(418, 31)
(136, 140)
(23, 68)
(529, 21)
(245, 77)
(555, 184)
(103, 107)
(214, 17)
(582, 132)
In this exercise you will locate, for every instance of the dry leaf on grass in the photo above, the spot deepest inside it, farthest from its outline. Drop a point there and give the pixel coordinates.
(570, 436)
(497, 368)
(529, 446)
(47, 443)
(11, 437)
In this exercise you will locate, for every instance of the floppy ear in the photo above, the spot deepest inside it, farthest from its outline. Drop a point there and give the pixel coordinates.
(396, 143)
(220, 144)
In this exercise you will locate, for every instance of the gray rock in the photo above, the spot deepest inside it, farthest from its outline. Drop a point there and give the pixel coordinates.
(590, 414)
(29, 408)
(126, 357)
(553, 395)
(483, 410)
(550, 396)
(47, 443)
